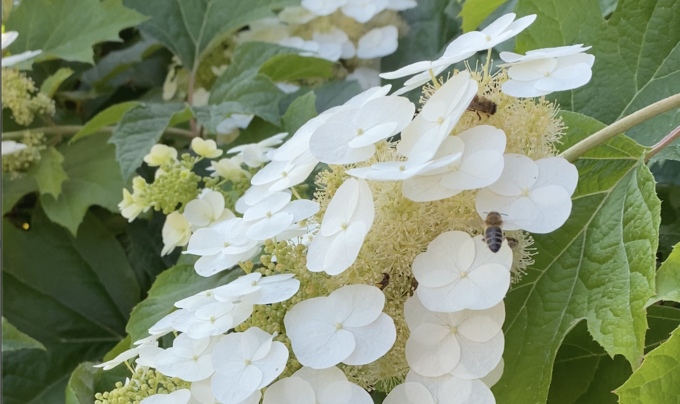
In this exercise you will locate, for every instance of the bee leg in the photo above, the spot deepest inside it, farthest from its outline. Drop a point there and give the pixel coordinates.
(479, 116)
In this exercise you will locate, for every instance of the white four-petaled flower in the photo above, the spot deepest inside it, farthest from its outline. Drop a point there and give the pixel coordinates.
(543, 71)
(531, 195)
(378, 42)
(468, 343)
(244, 363)
(446, 389)
(208, 210)
(176, 232)
(345, 224)
(274, 214)
(460, 272)
(188, 358)
(311, 386)
(348, 326)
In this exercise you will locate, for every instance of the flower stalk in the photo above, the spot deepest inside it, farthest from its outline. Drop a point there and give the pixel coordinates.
(668, 139)
(620, 126)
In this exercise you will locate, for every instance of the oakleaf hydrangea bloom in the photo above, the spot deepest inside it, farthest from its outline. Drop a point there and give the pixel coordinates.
(208, 210)
(181, 396)
(176, 232)
(336, 41)
(192, 303)
(255, 154)
(440, 114)
(468, 343)
(201, 391)
(188, 358)
(233, 123)
(244, 363)
(229, 169)
(378, 42)
(7, 39)
(279, 175)
(460, 272)
(479, 165)
(366, 77)
(221, 246)
(348, 326)
(446, 389)
(531, 195)
(274, 214)
(543, 71)
(347, 220)
(349, 135)
(311, 386)
(205, 148)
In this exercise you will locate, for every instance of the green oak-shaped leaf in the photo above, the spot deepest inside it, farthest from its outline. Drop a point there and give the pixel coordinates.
(73, 294)
(139, 130)
(13, 189)
(599, 266)
(49, 173)
(668, 278)
(637, 58)
(93, 179)
(67, 29)
(189, 28)
(14, 340)
(171, 286)
(657, 381)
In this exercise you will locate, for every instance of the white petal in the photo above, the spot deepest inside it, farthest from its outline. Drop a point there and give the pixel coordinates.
(488, 201)
(181, 396)
(557, 171)
(459, 391)
(416, 314)
(188, 369)
(372, 341)
(291, 390)
(255, 343)
(544, 211)
(533, 70)
(301, 209)
(319, 380)
(298, 174)
(235, 384)
(484, 256)
(477, 171)
(316, 253)
(366, 96)
(478, 359)
(344, 248)
(373, 135)
(356, 305)
(365, 211)
(435, 385)
(270, 204)
(519, 173)
(315, 339)
(270, 227)
(273, 364)
(277, 292)
(341, 207)
(522, 89)
(330, 144)
(480, 325)
(409, 393)
(426, 188)
(432, 350)
(205, 242)
(495, 375)
(344, 392)
(566, 79)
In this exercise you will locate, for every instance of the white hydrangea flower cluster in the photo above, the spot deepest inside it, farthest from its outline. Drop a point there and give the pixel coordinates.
(456, 311)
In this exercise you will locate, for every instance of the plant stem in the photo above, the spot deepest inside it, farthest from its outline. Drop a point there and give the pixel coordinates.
(190, 100)
(68, 130)
(668, 139)
(621, 126)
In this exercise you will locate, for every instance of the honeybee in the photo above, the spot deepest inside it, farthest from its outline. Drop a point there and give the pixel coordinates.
(384, 282)
(481, 104)
(493, 234)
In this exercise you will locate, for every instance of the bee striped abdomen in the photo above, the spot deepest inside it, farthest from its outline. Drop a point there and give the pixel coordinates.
(494, 238)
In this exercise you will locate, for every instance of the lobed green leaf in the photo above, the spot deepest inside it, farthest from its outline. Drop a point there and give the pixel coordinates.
(299, 112)
(599, 266)
(106, 117)
(49, 173)
(50, 86)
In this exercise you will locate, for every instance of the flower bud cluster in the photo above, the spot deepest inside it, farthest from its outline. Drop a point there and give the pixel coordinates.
(142, 384)
(18, 95)
(21, 160)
